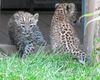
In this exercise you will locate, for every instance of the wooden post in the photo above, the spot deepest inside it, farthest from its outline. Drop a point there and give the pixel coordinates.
(89, 32)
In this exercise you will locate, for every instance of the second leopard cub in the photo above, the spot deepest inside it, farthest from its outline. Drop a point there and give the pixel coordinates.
(62, 33)
(24, 32)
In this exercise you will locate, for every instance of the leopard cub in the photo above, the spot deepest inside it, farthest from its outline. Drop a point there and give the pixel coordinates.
(24, 32)
(62, 31)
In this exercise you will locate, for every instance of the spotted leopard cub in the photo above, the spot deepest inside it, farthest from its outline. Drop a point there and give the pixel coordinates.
(62, 33)
(24, 32)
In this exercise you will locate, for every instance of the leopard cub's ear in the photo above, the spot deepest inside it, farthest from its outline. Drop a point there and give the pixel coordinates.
(72, 4)
(16, 16)
(36, 16)
(71, 7)
(56, 5)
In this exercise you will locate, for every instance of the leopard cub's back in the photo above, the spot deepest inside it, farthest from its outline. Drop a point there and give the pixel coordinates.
(62, 31)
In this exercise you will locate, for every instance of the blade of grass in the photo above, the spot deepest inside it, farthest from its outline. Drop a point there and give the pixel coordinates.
(92, 20)
(90, 14)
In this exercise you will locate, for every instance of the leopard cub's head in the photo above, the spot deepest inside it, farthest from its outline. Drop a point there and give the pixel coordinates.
(68, 9)
(26, 22)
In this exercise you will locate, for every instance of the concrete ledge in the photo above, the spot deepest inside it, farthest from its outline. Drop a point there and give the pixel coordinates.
(8, 49)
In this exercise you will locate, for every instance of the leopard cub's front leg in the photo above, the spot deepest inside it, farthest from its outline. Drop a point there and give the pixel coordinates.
(29, 48)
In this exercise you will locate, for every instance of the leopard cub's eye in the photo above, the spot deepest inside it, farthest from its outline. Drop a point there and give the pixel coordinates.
(23, 26)
(31, 25)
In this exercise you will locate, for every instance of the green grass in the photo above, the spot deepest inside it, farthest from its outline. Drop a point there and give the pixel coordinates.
(97, 39)
(42, 66)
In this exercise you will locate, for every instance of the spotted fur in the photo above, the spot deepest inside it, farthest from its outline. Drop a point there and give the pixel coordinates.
(24, 32)
(62, 32)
